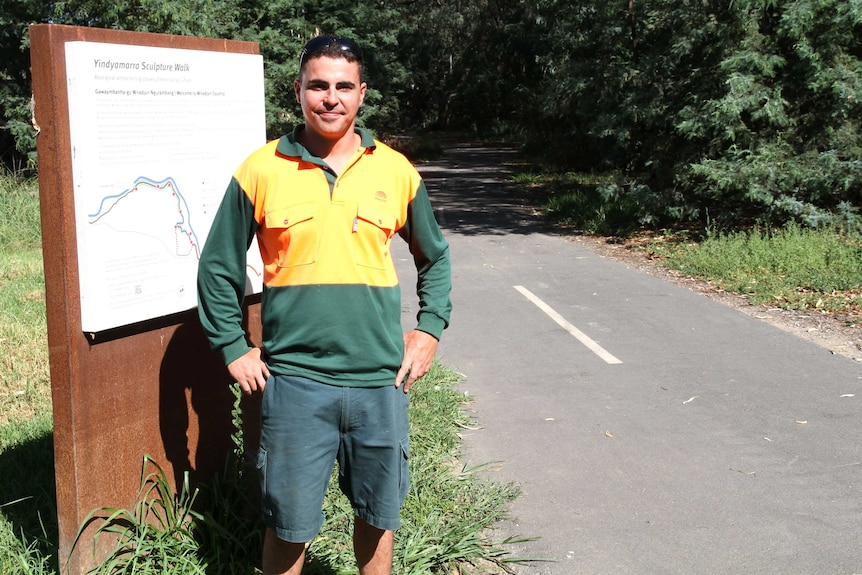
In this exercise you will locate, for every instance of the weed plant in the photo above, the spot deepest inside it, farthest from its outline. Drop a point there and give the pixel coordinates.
(156, 537)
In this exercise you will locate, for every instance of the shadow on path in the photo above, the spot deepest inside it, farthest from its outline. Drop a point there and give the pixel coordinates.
(472, 195)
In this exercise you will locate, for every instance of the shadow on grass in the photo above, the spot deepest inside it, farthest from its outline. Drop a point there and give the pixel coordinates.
(27, 490)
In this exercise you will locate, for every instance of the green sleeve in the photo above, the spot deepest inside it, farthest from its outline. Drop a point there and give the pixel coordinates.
(431, 256)
(222, 274)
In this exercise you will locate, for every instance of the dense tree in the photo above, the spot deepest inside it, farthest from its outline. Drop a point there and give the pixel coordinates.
(617, 77)
(17, 140)
(784, 135)
(471, 65)
(731, 108)
(747, 108)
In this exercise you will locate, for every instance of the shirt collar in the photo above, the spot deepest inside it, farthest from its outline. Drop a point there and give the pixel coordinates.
(289, 143)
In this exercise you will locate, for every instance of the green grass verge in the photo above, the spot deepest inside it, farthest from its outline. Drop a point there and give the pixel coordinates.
(791, 267)
(19, 216)
(28, 525)
(24, 388)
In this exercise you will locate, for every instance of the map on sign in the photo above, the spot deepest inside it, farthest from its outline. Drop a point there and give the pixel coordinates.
(152, 209)
(156, 134)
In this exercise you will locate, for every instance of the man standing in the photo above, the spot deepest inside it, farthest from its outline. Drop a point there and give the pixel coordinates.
(335, 366)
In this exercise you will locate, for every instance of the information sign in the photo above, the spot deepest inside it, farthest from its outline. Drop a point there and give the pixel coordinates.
(156, 134)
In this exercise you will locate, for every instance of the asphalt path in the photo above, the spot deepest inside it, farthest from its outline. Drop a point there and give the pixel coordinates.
(650, 429)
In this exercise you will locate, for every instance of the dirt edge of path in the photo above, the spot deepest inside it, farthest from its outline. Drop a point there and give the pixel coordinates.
(838, 335)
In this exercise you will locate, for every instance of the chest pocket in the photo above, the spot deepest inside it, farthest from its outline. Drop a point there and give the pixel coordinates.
(294, 234)
(373, 228)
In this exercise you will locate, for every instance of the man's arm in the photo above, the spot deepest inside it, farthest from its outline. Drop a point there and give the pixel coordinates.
(431, 257)
(221, 287)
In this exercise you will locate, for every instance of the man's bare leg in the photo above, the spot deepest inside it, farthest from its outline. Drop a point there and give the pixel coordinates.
(282, 557)
(373, 548)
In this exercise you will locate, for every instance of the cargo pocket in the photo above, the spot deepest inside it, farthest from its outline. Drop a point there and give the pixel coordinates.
(373, 228)
(260, 465)
(404, 484)
(296, 229)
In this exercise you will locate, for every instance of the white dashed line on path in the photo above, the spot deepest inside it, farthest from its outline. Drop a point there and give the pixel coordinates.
(561, 321)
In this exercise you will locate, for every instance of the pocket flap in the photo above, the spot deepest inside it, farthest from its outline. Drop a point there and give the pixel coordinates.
(287, 217)
(373, 215)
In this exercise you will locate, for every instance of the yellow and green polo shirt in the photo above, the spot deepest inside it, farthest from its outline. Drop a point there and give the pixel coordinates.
(331, 302)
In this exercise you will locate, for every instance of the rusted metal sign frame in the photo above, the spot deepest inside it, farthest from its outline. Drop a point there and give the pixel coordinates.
(150, 388)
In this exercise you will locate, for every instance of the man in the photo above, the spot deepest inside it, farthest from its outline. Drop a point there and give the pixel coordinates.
(335, 366)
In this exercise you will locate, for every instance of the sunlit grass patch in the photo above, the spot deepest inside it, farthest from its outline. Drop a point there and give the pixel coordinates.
(28, 522)
(24, 382)
(791, 267)
(19, 212)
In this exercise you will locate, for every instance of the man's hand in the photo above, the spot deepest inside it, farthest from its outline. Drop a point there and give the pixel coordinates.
(249, 371)
(419, 351)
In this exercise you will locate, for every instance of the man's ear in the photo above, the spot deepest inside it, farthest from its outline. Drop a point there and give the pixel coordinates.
(362, 87)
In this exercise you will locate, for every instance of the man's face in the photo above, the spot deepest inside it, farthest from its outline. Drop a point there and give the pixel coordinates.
(330, 92)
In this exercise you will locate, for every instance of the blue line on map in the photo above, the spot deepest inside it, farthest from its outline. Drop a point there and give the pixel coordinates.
(183, 206)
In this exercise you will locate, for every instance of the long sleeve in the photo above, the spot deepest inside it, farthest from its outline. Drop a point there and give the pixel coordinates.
(431, 256)
(222, 274)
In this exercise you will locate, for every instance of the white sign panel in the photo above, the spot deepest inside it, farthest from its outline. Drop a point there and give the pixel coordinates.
(156, 134)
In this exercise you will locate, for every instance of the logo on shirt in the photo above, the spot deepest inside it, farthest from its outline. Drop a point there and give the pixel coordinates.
(380, 196)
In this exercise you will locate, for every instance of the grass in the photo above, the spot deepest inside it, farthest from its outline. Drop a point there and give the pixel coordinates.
(28, 528)
(156, 536)
(447, 517)
(792, 267)
(23, 388)
(24, 391)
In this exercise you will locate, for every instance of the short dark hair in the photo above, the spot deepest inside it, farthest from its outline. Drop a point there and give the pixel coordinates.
(332, 47)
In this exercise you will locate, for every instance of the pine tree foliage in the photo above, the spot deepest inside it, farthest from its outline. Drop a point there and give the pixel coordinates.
(784, 136)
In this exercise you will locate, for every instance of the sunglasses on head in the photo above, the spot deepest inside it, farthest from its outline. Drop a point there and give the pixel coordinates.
(330, 45)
